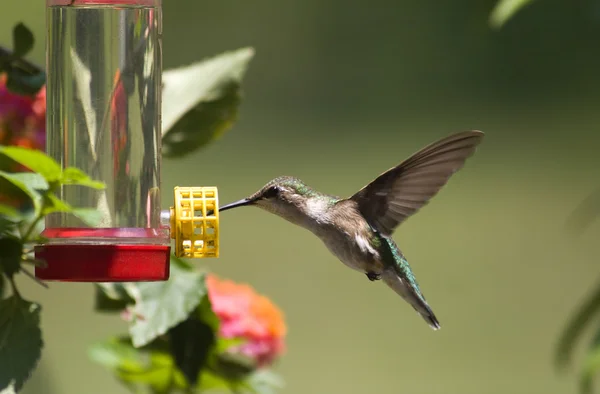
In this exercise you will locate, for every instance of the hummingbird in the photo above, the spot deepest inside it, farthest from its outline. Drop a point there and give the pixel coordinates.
(358, 230)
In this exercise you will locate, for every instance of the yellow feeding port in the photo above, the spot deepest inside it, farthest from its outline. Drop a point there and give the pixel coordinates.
(195, 222)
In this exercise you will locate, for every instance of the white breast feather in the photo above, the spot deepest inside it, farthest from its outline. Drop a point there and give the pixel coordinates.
(317, 208)
(365, 246)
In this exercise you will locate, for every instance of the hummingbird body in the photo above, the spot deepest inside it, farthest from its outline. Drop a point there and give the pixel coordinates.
(358, 230)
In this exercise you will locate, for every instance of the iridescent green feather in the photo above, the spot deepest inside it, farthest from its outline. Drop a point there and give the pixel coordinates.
(302, 189)
(391, 252)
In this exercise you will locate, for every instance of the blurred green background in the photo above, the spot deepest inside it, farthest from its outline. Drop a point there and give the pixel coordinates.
(340, 92)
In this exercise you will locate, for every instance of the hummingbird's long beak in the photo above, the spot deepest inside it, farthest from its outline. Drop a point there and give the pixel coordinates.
(239, 203)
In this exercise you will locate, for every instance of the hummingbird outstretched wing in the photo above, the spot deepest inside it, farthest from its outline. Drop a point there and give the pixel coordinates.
(402, 190)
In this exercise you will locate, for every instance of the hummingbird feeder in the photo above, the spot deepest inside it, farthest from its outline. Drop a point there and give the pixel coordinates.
(103, 96)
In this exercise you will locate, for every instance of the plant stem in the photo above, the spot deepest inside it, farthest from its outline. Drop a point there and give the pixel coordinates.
(32, 227)
(25, 64)
(14, 287)
(35, 262)
(32, 276)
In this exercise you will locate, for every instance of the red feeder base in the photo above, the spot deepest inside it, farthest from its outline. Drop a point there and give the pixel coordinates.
(103, 262)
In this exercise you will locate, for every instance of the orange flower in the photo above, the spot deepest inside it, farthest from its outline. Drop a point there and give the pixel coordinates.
(247, 315)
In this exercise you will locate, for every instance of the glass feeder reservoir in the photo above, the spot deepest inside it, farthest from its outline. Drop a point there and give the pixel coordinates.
(104, 69)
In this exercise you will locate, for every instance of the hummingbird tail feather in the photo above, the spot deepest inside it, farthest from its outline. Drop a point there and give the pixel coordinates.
(415, 299)
(431, 319)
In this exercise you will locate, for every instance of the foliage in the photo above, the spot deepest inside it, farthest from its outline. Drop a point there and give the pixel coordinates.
(203, 96)
(21, 345)
(505, 10)
(587, 315)
(581, 320)
(584, 213)
(20, 333)
(180, 349)
(178, 338)
(23, 77)
(588, 311)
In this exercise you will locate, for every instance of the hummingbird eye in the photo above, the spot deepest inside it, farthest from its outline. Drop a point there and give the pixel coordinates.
(271, 192)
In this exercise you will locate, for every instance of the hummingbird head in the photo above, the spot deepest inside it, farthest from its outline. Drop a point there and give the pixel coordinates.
(284, 196)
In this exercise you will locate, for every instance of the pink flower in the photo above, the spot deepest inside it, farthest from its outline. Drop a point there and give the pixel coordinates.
(22, 123)
(22, 118)
(247, 315)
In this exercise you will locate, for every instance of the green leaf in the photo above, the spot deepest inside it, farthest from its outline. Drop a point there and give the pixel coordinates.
(35, 160)
(194, 341)
(32, 180)
(504, 10)
(224, 344)
(2, 286)
(591, 366)
(200, 101)
(20, 341)
(575, 328)
(234, 367)
(148, 366)
(116, 353)
(115, 291)
(585, 213)
(54, 204)
(8, 226)
(25, 83)
(35, 234)
(19, 181)
(74, 176)
(22, 40)
(8, 215)
(162, 305)
(207, 314)
(264, 381)
(210, 380)
(111, 297)
(24, 77)
(191, 341)
(11, 250)
(5, 59)
(31, 184)
(90, 216)
(104, 304)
